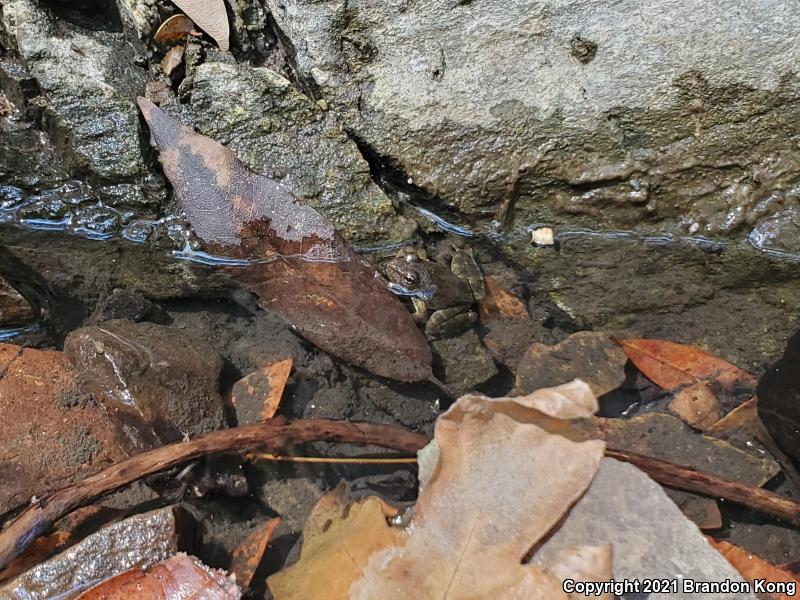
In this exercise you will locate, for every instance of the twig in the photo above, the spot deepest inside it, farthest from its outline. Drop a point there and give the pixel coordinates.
(273, 435)
(688, 479)
(350, 460)
(277, 434)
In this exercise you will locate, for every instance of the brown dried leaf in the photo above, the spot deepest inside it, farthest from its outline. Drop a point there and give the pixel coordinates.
(249, 553)
(696, 405)
(499, 302)
(173, 30)
(172, 59)
(753, 567)
(672, 365)
(210, 16)
(475, 538)
(305, 271)
(180, 577)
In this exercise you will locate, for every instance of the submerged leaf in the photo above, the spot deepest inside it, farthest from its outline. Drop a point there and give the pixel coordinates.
(672, 365)
(210, 16)
(180, 577)
(247, 556)
(297, 264)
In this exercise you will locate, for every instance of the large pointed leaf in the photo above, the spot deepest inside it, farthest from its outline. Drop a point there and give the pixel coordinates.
(302, 269)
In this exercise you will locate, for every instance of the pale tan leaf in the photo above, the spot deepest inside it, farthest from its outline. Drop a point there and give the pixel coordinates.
(475, 537)
(210, 16)
(571, 400)
(583, 563)
(338, 540)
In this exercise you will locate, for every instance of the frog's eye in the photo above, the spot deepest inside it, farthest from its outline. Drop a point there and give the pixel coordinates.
(411, 278)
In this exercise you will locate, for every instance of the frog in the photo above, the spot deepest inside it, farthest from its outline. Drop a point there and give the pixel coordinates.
(443, 291)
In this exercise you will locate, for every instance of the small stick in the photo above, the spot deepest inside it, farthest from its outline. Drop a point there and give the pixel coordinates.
(331, 459)
(277, 434)
(688, 479)
(273, 435)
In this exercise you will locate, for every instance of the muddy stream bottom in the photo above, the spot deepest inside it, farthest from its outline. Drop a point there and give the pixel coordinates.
(132, 321)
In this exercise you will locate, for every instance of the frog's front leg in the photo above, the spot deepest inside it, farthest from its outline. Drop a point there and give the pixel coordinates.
(420, 314)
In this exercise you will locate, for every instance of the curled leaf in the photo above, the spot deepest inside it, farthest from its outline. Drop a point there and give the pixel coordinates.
(295, 261)
(210, 16)
(174, 30)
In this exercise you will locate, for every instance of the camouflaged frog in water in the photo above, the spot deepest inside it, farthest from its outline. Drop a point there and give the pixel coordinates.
(455, 282)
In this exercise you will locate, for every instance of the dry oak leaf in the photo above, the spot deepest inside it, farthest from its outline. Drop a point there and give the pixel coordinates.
(752, 567)
(466, 540)
(289, 255)
(180, 577)
(210, 16)
(338, 539)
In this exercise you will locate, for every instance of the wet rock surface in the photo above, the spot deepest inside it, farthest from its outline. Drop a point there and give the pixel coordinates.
(54, 433)
(277, 131)
(158, 384)
(474, 102)
(87, 75)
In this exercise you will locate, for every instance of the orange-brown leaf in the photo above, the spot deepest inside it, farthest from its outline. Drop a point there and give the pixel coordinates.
(262, 388)
(180, 577)
(299, 266)
(173, 30)
(753, 567)
(41, 549)
(672, 365)
(499, 302)
(249, 553)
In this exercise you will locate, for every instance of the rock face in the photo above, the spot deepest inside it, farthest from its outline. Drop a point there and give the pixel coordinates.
(87, 75)
(277, 131)
(607, 114)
